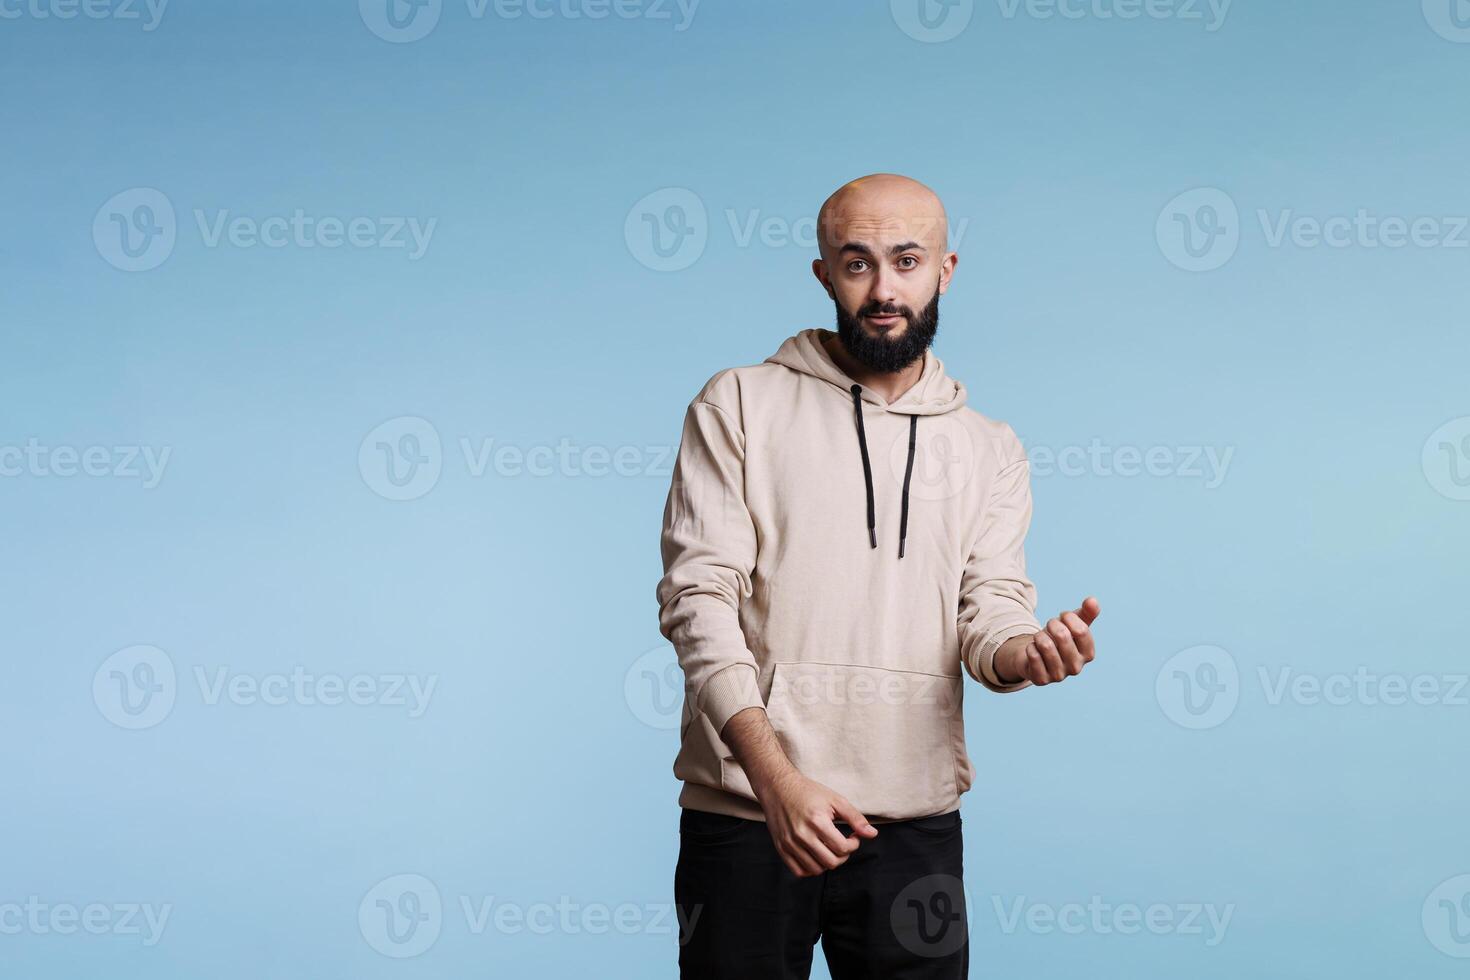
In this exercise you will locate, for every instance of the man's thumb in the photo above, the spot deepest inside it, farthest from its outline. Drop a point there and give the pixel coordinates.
(1089, 609)
(853, 818)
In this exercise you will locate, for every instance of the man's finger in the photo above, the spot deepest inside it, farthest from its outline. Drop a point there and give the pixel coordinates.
(1051, 660)
(1089, 609)
(1066, 648)
(1081, 635)
(791, 864)
(1033, 668)
(797, 858)
(834, 840)
(818, 852)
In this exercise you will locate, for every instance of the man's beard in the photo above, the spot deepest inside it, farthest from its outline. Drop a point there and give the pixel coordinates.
(878, 352)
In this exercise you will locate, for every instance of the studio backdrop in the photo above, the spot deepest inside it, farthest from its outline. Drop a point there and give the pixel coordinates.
(344, 350)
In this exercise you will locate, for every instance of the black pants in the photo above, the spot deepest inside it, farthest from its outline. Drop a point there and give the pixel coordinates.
(894, 911)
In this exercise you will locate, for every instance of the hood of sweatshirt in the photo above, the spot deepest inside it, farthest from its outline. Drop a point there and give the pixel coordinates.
(935, 393)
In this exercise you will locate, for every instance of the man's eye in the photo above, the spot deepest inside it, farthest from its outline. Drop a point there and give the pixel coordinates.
(856, 265)
(908, 262)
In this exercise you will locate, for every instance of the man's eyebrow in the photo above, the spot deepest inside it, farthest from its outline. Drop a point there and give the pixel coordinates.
(863, 249)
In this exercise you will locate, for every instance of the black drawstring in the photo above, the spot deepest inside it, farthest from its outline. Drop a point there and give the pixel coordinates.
(908, 471)
(857, 407)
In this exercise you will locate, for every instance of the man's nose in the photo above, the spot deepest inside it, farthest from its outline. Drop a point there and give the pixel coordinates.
(885, 288)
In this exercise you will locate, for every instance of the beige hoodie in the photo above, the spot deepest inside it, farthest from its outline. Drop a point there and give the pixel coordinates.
(784, 586)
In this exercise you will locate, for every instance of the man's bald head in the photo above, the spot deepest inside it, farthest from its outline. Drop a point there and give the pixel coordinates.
(886, 209)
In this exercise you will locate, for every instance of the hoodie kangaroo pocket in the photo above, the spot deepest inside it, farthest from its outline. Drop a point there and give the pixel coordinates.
(885, 739)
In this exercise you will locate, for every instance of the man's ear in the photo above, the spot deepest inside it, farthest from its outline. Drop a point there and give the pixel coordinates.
(819, 269)
(946, 272)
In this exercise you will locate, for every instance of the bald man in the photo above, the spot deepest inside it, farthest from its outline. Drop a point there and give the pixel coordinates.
(842, 545)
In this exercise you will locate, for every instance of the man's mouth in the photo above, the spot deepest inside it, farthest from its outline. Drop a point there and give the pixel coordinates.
(884, 319)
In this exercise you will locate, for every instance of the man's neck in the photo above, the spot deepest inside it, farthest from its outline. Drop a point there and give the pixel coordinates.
(891, 386)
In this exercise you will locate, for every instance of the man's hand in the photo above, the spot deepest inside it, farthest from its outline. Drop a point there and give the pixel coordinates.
(800, 815)
(1059, 651)
(799, 811)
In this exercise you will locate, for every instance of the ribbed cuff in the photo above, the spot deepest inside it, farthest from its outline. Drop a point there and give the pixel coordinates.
(729, 692)
(985, 659)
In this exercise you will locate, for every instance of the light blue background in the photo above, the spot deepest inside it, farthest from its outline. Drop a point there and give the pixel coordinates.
(540, 771)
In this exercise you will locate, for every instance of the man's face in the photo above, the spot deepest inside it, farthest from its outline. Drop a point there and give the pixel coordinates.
(885, 264)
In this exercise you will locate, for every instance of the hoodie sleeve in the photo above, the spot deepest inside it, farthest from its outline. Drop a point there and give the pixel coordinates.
(997, 600)
(709, 550)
